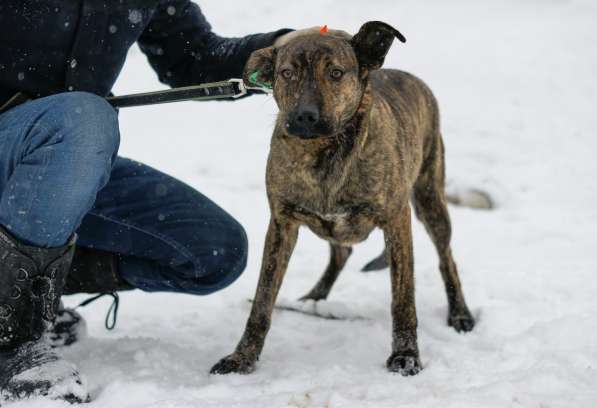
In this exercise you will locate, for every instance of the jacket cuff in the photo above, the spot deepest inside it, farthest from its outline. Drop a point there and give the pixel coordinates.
(265, 40)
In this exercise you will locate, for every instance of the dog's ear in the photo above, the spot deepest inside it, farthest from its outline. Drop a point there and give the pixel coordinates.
(259, 69)
(372, 43)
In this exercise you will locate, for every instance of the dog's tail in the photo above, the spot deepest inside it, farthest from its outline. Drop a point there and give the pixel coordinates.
(472, 198)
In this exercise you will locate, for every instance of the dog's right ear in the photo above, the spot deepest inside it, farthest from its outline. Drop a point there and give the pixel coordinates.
(372, 43)
(259, 69)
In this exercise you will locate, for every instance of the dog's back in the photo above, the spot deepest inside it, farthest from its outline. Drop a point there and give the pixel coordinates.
(409, 97)
(404, 109)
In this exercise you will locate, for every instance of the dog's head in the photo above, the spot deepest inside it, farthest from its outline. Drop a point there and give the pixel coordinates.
(318, 79)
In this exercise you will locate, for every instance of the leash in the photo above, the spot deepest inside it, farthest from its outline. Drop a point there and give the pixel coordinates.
(231, 89)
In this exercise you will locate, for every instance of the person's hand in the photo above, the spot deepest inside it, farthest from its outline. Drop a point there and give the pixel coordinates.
(286, 38)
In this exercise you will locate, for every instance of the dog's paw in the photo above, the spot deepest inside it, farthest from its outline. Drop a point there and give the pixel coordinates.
(233, 364)
(404, 364)
(462, 322)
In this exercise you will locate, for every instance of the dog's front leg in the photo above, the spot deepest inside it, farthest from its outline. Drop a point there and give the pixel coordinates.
(398, 236)
(279, 244)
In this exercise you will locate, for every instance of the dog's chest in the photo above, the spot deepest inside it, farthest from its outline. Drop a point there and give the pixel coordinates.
(337, 197)
(344, 225)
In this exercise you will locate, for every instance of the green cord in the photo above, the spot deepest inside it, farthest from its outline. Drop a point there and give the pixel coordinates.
(253, 79)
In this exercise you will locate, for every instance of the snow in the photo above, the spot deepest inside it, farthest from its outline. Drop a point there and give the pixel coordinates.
(517, 89)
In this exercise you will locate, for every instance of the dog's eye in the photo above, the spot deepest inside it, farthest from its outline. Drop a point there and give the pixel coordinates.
(287, 73)
(336, 73)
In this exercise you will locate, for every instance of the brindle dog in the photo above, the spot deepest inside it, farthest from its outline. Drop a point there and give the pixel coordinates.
(352, 144)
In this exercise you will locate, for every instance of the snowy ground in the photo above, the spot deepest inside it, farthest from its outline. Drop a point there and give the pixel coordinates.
(516, 81)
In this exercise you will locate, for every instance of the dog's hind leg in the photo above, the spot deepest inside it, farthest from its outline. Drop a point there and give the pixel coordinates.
(430, 207)
(338, 257)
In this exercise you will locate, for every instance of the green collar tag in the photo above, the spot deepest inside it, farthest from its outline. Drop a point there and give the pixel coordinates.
(253, 79)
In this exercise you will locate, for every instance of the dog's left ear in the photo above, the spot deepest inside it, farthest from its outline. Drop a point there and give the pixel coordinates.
(259, 69)
(372, 43)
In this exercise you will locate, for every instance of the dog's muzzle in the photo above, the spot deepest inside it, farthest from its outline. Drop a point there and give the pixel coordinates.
(306, 123)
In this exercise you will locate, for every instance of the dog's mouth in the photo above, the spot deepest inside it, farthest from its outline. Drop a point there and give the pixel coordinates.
(310, 135)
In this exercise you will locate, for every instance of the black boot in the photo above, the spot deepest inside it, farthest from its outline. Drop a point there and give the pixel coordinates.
(92, 271)
(31, 282)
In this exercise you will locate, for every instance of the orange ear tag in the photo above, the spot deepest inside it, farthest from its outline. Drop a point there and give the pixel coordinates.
(324, 29)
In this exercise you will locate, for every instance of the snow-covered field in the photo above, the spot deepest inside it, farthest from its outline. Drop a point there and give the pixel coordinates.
(517, 85)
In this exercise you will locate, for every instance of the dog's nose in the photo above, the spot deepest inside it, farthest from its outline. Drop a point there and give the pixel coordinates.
(308, 117)
(304, 122)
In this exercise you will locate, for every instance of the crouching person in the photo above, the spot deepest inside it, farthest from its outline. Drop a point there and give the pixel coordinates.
(74, 216)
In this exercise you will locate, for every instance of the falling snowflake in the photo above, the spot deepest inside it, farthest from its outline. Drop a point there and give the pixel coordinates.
(135, 16)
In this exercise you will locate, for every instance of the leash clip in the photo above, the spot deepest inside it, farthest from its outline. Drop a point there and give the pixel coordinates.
(243, 89)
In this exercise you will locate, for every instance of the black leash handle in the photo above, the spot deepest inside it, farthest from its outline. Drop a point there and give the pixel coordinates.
(230, 89)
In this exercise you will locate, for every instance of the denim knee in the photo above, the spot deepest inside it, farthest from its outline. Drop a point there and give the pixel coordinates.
(199, 275)
(85, 122)
(238, 251)
(221, 267)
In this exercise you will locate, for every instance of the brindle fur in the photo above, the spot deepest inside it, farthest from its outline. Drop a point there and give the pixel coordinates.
(378, 145)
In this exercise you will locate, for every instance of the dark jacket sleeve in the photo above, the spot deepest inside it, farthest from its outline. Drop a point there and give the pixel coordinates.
(183, 50)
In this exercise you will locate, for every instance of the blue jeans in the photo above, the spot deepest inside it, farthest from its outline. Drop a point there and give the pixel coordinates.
(60, 174)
